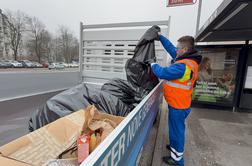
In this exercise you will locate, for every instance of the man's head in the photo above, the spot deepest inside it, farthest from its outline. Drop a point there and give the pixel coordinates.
(185, 44)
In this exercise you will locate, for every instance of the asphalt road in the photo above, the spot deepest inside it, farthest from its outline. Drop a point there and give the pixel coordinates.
(22, 92)
(16, 84)
(15, 114)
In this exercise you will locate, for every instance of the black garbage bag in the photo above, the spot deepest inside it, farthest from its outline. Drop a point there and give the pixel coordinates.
(145, 48)
(74, 99)
(121, 89)
(140, 79)
(138, 73)
(125, 91)
(106, 102)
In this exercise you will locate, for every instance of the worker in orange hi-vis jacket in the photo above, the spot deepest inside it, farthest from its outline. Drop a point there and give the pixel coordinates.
(180, 78)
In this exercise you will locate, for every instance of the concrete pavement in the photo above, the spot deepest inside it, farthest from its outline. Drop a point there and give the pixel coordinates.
(213, 138)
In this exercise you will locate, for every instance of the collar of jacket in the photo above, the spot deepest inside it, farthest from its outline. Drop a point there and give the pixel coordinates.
(193, 55)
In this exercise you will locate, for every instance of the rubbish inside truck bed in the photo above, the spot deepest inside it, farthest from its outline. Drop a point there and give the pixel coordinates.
(124, 144)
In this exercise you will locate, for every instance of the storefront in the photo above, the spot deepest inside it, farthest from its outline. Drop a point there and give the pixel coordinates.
(225, 74)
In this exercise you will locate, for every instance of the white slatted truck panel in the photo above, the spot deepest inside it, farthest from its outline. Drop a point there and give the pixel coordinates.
(104, 50)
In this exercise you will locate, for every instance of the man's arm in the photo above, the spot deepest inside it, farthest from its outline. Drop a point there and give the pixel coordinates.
(169, 47)
(172, 72)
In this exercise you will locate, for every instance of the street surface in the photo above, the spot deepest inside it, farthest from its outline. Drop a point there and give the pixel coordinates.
(25, 82)
(22, 91)
(15, 114)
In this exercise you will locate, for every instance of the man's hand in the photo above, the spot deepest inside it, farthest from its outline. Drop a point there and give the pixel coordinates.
(158, 36)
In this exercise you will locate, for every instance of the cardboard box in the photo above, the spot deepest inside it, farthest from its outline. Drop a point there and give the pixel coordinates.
(48, 142)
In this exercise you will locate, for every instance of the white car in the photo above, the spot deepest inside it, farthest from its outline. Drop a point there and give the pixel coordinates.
(55, 66)
(36, 64)
(27, 63)
(14, 63)
(73, 65)
(64, 64)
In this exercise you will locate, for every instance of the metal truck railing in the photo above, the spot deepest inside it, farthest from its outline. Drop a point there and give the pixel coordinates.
(104, 50)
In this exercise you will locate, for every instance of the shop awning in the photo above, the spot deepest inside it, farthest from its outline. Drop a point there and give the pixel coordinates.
(231, 21)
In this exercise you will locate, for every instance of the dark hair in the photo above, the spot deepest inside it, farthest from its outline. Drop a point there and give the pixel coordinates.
(187, 41)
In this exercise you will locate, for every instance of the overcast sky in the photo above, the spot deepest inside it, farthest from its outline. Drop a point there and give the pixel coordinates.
(70, 12)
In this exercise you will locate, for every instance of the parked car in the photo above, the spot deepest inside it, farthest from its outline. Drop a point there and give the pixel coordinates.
(27, 63)
(14, 63)
(64, 64)
(45, 65)
(55, 66)
(73, 65)
(36, 64)
(4, 64)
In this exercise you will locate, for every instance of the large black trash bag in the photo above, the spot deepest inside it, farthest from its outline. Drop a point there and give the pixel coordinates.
(106, 102)
(140, 78)
(121, 89)
(139, 74)
(145, 48)
(74, 99)
(125, 91)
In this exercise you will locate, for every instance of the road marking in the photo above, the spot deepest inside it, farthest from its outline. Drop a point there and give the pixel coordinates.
(32, 94)
(37, 71)
(4, 127)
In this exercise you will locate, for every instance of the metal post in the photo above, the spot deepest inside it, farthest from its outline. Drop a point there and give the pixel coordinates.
(243, 71)
(1, 27)
(81, 53)
(169, 26)
(168, 35)
(198, 16)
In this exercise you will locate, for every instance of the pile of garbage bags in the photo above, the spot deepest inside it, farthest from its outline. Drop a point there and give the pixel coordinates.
(116, 97)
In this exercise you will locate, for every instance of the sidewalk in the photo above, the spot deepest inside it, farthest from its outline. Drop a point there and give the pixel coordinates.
(213, 138)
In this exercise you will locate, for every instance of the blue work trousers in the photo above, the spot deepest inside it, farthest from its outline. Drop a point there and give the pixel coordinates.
(176, 125)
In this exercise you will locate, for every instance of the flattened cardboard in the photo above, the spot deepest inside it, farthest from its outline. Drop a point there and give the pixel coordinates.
(47, 143)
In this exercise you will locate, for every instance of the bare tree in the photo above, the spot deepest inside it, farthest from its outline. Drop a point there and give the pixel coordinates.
(58, 49)
(16, 28)
(68, 44)
(4, 44)
(47, 43)
(74, 50)
(37, 38)
(65, 37)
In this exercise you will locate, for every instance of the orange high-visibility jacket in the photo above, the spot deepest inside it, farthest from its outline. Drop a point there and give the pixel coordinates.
(178, 93)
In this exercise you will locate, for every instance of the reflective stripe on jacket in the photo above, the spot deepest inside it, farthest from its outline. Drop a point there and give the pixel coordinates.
(178, 93)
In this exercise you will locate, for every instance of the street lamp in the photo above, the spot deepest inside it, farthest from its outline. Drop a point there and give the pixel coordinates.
(198, 16)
